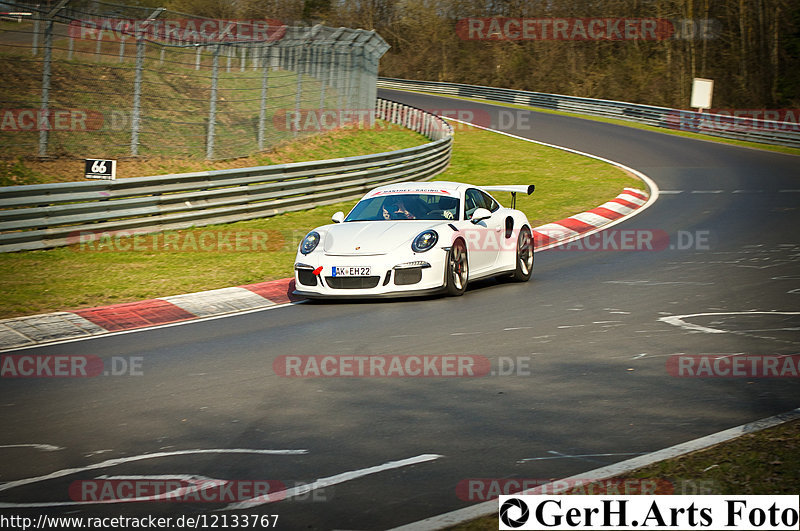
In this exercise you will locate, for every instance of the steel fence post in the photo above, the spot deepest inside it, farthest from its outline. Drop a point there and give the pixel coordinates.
(299, 91)
(262, 113)
(121, 48)
(212, 106)
(137, 94)
(321, 75)
(44, 129)
(35, 36)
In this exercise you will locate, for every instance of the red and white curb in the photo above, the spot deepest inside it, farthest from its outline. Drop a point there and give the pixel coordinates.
(21, 332)
(569, 229)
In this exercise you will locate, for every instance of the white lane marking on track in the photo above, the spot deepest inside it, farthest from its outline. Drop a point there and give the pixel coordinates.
(98, 452)
(655, 283)
(670, 192)
(121, 460)
(678, 320)
(184, 477)
(559, 455)
(43, 447)
(471, 512)
(198, 484)
(328, 481)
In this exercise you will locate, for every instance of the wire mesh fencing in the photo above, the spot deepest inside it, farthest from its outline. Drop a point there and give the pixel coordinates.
(91, 79)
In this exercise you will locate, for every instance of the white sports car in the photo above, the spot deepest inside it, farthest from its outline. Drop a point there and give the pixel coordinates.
(414, 239)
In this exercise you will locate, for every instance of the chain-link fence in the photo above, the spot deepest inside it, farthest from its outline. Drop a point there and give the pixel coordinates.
(91, 79)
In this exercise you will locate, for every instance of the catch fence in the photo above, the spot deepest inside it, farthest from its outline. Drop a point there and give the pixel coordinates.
(91, 79)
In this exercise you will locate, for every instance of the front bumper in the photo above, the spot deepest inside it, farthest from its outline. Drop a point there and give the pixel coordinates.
(413, 274)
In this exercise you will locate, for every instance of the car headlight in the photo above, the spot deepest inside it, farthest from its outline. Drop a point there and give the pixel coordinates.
(310, 242)
(424, 241)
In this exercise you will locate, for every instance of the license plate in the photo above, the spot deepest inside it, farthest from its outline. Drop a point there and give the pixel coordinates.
(351, 271)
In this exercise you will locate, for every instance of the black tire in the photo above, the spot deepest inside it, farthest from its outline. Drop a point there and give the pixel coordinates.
(524, 268)
(457, 269)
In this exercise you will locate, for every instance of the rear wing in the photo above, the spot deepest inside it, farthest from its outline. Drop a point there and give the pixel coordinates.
(515, 189)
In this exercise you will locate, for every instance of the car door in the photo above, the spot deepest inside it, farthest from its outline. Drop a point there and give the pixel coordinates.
(483, 238)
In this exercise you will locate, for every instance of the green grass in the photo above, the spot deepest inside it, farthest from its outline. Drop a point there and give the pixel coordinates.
(765, 462)
(566, 183)
(343, 142)
(626, 123)
(71, 278)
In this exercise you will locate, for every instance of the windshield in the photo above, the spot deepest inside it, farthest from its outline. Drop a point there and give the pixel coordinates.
(405, 206)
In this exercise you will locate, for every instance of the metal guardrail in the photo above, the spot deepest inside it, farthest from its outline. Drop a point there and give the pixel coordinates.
(722, 125)
(51, 215)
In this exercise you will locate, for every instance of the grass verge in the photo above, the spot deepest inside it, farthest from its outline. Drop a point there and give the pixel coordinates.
(342, 142)
(82, 275)
(765, 462)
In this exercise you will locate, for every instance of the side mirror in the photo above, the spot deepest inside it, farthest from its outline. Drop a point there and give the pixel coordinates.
(338, 217)
(480, 214)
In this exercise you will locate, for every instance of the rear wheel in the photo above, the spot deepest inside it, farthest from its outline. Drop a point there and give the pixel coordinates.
(457, 269)
(524, 268)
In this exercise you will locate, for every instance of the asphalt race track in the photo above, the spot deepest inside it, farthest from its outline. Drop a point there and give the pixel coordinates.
(584, 343)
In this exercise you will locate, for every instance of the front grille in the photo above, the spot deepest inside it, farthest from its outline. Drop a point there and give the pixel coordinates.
(306, 277)
(404, 277)
(352, 282)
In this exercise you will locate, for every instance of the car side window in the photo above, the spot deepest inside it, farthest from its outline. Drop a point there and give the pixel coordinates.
(489, 203)
(475, 199)
(472, 202)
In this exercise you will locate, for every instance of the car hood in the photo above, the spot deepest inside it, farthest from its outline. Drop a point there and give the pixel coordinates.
(371, 237)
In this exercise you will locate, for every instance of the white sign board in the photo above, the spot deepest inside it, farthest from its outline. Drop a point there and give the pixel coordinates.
(100, 169)
(702, 90)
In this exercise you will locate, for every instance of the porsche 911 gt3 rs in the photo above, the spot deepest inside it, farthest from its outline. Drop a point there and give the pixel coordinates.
(416, 238)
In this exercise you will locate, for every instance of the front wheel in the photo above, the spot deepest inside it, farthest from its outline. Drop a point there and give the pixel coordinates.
(524, 267)
(457, 269)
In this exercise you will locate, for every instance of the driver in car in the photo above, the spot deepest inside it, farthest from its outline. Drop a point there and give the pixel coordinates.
(394, 208)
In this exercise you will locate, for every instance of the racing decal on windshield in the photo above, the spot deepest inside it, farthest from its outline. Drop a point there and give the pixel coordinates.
(412, 191)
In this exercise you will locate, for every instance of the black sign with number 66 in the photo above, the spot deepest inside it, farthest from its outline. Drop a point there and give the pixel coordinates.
(100, 169)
